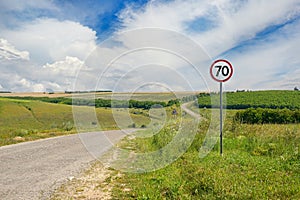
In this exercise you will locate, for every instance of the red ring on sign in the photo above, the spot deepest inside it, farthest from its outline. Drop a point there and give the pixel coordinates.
(211, 70)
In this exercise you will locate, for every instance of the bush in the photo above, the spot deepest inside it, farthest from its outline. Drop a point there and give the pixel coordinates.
(268, 116)
(132, 125)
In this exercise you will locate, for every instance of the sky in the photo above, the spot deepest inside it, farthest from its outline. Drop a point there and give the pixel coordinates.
(154, 45)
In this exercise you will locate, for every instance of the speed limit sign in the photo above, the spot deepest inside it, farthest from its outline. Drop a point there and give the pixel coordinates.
(221, 70)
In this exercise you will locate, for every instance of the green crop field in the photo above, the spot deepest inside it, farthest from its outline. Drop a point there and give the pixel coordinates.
(24, 120)
(254, 99)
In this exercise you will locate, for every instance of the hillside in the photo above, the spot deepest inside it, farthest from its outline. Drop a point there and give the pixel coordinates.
(24, 120)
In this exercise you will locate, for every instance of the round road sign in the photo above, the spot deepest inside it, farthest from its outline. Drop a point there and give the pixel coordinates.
(221, 70)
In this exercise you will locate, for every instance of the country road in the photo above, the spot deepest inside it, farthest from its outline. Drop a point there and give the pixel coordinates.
(190, 112)
(32, 170)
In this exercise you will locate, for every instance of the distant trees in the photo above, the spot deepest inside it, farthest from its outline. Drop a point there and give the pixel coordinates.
(87, 91)
(104, 102)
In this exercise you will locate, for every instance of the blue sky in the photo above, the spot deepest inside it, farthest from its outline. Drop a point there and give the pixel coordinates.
(45, 44)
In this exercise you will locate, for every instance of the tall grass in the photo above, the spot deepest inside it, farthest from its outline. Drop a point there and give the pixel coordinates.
(259, 162)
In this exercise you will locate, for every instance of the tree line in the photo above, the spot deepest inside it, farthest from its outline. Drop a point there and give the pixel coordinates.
(103, 102)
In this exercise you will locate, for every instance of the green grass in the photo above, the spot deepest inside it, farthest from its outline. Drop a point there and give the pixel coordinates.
(25, 120)
(29, 119)
(259, 162)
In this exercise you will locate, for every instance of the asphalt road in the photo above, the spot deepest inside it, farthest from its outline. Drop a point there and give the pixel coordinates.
(32, 170)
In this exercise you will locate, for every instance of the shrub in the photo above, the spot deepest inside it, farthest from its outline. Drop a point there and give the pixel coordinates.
(268, 116)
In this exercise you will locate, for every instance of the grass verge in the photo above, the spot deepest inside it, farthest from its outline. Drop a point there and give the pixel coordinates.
(259, 162)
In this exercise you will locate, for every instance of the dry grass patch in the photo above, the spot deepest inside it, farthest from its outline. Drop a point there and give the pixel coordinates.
(94, 183)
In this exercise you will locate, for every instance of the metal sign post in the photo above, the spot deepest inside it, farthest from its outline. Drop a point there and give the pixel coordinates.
(221, 71)
(221, 118)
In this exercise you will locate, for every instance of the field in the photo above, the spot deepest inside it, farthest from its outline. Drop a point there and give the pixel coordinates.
(139, 96)
(162, 96)
(25, 120)
(260, 161)
(36, 94)
(30, 116)
(261, 158)
(253, 99)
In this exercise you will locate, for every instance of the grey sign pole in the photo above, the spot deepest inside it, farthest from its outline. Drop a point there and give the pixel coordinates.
(221, 118)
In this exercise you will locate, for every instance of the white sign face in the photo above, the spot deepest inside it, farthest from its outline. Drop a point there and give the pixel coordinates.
(221, 70)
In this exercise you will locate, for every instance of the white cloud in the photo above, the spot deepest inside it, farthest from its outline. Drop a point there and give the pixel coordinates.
(58, 48)
(63, 44)
(18, 83)
(30, 86)
(25, 83)
(269, 65)
(9, 52)
(69, 66)
(170, 15)
(61, 75)
(123, 56)
(234, 22)
(49, 40)
(249, 19)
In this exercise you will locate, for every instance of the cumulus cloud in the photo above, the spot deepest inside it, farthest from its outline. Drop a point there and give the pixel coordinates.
(66, 70)
(9, 52)
(49, 40)
(57, 76)
(56, 48)
(17, 83)
(69, 66)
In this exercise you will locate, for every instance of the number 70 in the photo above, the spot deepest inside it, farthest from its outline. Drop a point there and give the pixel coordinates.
(223, 69)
